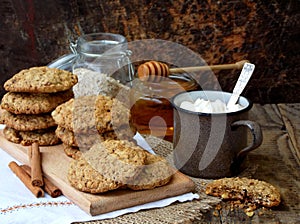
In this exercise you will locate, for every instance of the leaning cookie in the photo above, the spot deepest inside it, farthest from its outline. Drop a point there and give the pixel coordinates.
(45, 137)
(26, 122)
(84, 177)
(245, 190)
(41, 80)
(156, 172)
(120, 161)
(28, 103)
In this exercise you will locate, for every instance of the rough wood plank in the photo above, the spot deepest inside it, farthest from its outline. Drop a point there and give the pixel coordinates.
(55, 165)
(291, 117)
(274, 161)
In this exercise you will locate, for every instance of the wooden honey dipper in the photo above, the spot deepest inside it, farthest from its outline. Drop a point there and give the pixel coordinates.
(154, 71)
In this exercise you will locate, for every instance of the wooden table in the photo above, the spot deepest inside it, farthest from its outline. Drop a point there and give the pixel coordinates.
(276, 161)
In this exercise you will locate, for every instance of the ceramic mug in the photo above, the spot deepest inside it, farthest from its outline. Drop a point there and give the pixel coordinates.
(212, 145)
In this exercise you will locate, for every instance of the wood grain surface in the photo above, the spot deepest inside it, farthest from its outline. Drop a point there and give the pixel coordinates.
(275, 161)
(55, 165)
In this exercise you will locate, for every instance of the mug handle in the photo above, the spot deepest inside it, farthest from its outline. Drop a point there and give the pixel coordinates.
(257, 136)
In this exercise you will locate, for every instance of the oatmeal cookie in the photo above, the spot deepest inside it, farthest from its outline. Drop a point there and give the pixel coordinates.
(118, 160)
(84, 177)
(41, 80)
(156, 172)
(45, 137)
(72, 152)
(26, 122)
(82, 140)
(248, 191)
(93, 113)
(29, 103)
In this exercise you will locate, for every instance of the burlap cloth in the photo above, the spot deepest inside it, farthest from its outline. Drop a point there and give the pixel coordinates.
(187, 212)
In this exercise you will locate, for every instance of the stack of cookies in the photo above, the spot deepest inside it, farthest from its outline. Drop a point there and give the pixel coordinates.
(115, 164)
(87, 120)
(32, 95)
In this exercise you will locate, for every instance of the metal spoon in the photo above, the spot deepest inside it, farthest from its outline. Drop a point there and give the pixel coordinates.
(244, 77)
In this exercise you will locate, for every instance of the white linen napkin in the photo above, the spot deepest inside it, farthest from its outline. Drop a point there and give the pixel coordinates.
(19, 205)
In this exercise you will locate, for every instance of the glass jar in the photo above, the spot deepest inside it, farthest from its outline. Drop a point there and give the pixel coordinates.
(152, 113)
(101, 53)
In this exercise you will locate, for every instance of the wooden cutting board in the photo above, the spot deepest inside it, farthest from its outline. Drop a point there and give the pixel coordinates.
(55, 165)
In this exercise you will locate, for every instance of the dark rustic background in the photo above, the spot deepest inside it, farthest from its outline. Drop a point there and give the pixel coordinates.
(34, 33)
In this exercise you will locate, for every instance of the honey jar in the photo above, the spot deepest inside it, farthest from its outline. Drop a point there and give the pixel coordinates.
(152, 112)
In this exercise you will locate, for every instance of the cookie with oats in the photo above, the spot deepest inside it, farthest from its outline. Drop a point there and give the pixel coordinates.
(120, 161)
(28, 103)
(84, 177)
(72, 151)
(156, 172)
(82, 140)
(45, 137)
(26, 122)
(63, 115)
(12, 135)
(247, 191)
(93, 113)
(41, 80)
(86, 141)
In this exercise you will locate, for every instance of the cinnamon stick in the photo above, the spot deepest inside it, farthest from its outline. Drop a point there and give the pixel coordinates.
(25, 178)
(36, 166)
(29, 153)
(49, 187)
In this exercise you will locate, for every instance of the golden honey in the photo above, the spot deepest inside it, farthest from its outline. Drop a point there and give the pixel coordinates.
(152, 113)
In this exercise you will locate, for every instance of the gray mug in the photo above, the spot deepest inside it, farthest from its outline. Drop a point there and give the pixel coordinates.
(212, 145)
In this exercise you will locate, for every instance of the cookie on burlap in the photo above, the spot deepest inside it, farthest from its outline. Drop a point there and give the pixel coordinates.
(41, 80)
(120, 161)
(156, 172)
(45, 137)
(90, 113)
(72, 151)
(29, 103)
(84, 177)
(248, 191)
(26, 122)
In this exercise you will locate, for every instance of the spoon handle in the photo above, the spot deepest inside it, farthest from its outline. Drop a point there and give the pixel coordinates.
(244, 77)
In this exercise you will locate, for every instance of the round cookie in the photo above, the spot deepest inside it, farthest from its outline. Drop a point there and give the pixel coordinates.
(93, 113)
(45, 137)
(111, 115)
(26, 122)
(72, 152)
(84, 141)
(63, 115)
(120, 161)
(84, 177)
(28, 103)
(41, 80)
(246, 190)
(156, 173)
(12, 135)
